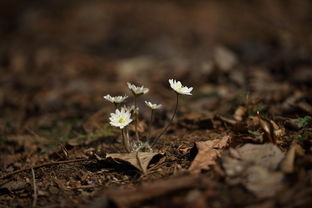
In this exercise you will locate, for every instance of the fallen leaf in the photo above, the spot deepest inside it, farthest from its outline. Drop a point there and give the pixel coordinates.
(239, 113)
(287, 165)
(267, 155)
(267, 127)
(226, 120)
(255, 166)
(262, 182)
(272, 130)
(138, 160)
(208, 152)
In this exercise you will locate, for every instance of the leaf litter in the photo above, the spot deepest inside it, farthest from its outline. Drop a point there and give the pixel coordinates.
(53, 118)
(207, 153)
(256, 167)
(139, 160)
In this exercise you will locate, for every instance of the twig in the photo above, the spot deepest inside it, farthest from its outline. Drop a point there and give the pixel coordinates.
(42, 165)
(34, 204)
(170, 122)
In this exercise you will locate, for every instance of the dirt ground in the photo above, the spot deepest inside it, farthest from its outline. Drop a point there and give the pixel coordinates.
(243, 139)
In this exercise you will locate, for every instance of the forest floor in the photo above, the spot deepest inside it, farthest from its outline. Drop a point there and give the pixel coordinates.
(243, 139)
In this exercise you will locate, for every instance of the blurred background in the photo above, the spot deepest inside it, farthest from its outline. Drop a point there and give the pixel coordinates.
(58, 58)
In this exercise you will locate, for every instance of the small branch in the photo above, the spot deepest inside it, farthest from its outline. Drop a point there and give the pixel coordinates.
(34, 204)
(170, 122)
(43, 165)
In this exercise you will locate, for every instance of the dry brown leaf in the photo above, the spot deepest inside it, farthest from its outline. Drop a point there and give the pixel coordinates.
(267, 155)
(272, 130)
(226, 120)
(262, 182)
(287, 165)
(254, 166)
(139, 160)
(239, 113)
(208, 152)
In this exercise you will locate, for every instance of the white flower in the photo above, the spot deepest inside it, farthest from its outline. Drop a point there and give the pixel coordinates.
(137, 90)
(153, 106)
(117, 99)
(131, 108)
(179, 88)
(120, 118)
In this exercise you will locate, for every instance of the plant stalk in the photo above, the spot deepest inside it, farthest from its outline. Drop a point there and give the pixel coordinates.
(136, 117)
(125, 140)
(170, 122)
(150, 125)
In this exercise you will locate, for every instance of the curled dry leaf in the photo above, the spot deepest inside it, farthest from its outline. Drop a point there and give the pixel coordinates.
(240, 113)
(226, 119)
(138, 160)
(272, 130)
(208, 152)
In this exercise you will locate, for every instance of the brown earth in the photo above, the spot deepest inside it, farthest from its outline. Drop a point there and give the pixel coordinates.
(243, 139)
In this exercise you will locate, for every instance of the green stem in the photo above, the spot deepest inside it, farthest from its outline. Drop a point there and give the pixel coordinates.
(170, 122)
(116, 106)
(125, 140)
(150, 125)
(136, 118)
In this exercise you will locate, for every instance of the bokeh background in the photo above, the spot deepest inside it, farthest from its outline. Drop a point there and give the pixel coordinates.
(58, 58)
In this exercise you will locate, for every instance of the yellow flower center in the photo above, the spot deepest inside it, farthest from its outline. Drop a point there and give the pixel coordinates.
(121, 120)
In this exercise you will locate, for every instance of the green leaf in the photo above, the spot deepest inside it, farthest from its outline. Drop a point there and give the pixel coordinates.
(254, 133)
(302, 122)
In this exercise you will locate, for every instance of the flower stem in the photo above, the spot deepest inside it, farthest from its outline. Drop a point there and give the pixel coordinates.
(150, 125)
(125, 139)
(136, 117)
(170, 122)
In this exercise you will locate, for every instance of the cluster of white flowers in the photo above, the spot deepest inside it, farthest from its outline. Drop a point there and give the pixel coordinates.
(121, 118)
